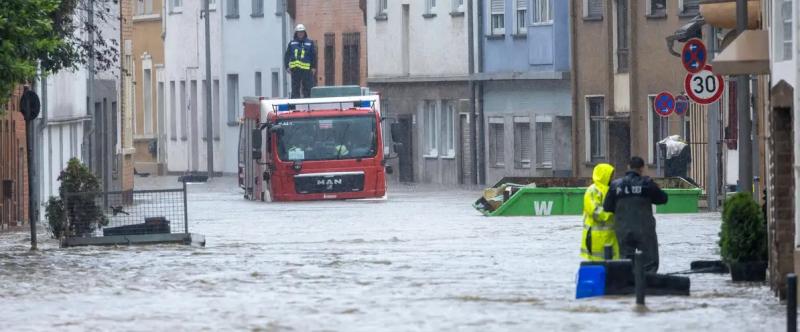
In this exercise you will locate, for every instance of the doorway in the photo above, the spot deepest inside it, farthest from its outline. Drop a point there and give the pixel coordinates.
(405, 148)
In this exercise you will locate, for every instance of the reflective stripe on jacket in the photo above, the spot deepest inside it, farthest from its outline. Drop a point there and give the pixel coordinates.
(598, 225)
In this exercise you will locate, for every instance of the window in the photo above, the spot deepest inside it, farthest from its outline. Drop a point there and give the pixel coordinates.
(657, 8)
(498, 17)
(280, 6)
(212, 4)
(215, 108)
(458, 6)
(430, 5)
(173, 117)
(784, 29)
(257, 8)
(522, 142)
(593, 9)
(144, 7)
(521, 15)
(161, 95)
(622, 36)
(258, 84)
(382, 8)
(544, 141)
(690, 7)
(431, 134)
(330, 59)
(233, 99)
(175, 6)
(232, 10)
(351, 58)
(203, 118)
(276, 84)
(596, 122)
(147, 89)
(658, 130)
(448, 134)
(184, 111)
(542, 11)
(497, 155)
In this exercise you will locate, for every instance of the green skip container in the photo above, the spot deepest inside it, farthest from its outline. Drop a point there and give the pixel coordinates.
(556, 201)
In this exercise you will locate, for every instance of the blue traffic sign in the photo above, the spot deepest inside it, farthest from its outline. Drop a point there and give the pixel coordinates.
(664, 104)
(681, 104)
(694, 55)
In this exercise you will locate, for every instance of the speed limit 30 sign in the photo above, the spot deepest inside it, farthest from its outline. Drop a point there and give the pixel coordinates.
(704, 87)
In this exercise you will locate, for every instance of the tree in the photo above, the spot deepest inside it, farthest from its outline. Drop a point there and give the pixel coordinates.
(51, 35)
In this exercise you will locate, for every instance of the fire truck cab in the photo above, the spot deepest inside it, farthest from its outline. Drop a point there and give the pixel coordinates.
(312, 149)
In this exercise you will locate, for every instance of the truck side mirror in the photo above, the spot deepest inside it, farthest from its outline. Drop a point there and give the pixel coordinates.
(257, 141)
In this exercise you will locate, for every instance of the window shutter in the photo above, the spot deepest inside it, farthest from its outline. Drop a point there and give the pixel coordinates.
(498, 7)
(595, 8)
(522, 4)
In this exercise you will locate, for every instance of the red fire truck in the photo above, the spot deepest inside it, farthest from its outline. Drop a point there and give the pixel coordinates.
(312, 149)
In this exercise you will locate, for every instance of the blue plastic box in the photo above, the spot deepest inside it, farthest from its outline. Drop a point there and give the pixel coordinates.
(591, 281)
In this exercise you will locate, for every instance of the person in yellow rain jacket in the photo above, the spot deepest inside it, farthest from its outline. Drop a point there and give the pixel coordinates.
(598, 225)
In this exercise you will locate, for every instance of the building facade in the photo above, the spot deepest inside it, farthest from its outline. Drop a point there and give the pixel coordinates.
(253, 43)
(524, 77)
(183, 79)
(419, 63)
(149, 124)
(339, 29)
(620, 63)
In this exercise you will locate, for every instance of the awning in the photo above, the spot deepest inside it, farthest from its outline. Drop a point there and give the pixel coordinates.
(722, 13)
(747, 54)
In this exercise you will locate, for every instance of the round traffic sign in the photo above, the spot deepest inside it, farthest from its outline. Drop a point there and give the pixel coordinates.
(681, 104)
(664, 104)
(694, 55)
(704, 87)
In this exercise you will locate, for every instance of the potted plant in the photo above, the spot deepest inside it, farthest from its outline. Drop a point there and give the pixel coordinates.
(84, 215)
(743, 238)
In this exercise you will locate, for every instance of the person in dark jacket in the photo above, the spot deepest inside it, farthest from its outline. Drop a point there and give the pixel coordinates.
(631, 199)
(300, 60)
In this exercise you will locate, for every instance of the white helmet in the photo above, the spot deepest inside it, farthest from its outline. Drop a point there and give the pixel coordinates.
(300, 28)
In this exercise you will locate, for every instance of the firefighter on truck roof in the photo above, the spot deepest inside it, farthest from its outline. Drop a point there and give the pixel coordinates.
(300, 60)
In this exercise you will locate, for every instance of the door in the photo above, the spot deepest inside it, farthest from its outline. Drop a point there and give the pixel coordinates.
(405, 149)
(466, 149)
(194, 139)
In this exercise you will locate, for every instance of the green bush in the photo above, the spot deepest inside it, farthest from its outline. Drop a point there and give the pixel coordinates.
(743, 237)
(84, 214)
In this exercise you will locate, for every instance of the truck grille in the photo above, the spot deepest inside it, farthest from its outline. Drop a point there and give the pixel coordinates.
(316, 183)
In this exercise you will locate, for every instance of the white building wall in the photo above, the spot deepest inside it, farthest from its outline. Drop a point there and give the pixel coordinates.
(437, 45)
(64, 114)
(184, 59)
(249, 45)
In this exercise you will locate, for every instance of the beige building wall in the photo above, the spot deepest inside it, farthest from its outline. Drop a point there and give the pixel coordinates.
(148, 55)
(652, 69)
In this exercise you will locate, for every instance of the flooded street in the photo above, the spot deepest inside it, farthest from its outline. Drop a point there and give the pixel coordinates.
(422, 260)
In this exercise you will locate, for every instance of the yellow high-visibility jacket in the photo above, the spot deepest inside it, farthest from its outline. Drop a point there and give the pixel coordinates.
(598, 225)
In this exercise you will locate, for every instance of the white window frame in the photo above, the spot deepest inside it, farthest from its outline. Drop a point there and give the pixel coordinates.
(682, 7)
(142, 7)
(431, 127)
(588, 127)
(498, 162)
(212, 5)
(147, 98)
(544, 119)
(175, 6)
(499, 31)
(524, 163)
(232, 93)
(586, 10)
(539, 5)
(381, 8)
(448, 136)
(430, 6)
(253, 7)
(649, 8)
(457, 6)
(521, 26)
(779, 40)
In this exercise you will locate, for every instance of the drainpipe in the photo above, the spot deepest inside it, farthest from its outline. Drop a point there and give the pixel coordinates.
(472, 96)
(284, 40)
(481, 170)
(576, 155)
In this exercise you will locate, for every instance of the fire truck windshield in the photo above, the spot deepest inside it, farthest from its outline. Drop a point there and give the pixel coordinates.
(331, 138)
